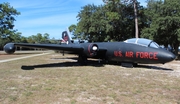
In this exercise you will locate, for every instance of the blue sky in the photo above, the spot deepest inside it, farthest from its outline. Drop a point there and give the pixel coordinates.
(48, 16)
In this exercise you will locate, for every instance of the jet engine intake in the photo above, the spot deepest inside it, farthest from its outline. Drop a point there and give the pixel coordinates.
(92, 50)
(9, 48)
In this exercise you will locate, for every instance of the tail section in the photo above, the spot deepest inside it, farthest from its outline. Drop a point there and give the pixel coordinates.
(66, 38)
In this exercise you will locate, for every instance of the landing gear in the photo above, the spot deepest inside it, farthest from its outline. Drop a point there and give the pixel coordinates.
(82, 60)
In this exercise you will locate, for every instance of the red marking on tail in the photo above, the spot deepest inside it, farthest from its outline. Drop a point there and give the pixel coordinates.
(65, 39)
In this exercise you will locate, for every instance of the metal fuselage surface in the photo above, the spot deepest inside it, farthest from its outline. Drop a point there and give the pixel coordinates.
(110, 51)
(133, 53)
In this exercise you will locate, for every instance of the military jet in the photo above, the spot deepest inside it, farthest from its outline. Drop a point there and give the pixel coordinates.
(131, 51)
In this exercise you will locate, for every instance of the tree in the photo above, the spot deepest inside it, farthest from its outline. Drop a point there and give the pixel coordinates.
(7, 18)
(45, 38)
(113, 21)
(164, 22)
(39, 38)
(72, 29)
(30, 39)
(135, 3)
(92, 24)
(16, 37)
(24, 39)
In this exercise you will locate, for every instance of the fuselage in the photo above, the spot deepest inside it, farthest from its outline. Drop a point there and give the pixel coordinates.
(128, 52)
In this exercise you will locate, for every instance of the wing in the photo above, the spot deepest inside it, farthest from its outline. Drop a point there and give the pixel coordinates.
(10, 47)
(85, 49)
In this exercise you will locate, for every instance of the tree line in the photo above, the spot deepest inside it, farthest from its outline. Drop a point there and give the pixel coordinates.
(115, 20)
(8, 34)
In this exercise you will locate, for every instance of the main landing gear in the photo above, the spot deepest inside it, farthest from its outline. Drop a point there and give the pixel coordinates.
(82, 60)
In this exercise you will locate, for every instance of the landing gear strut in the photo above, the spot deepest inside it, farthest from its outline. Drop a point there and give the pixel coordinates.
(82, 60)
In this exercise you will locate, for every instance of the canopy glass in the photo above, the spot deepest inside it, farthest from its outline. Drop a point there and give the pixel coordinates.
(143, 42)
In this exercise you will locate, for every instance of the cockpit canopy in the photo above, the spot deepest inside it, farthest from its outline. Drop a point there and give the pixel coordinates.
(143, 42)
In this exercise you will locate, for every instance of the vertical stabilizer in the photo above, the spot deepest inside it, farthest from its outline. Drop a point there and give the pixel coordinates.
(66, 37)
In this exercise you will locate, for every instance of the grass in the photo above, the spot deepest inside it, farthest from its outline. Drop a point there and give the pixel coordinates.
(56, 79)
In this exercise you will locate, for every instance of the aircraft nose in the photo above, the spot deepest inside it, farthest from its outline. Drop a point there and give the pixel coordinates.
(171, 57)
(167, 56)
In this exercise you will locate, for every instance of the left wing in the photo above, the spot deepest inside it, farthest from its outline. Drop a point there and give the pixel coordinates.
(85, 49)
(10, 47)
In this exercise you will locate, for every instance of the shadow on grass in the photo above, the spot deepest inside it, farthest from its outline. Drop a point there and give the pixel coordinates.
(66, 58)
(63, 64)
(93, 63)
(154, 67)
(146, 66)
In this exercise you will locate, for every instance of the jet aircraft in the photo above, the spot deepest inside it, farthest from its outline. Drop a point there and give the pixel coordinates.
(131, 51)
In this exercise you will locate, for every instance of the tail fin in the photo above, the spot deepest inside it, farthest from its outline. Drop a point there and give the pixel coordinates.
(66, 37)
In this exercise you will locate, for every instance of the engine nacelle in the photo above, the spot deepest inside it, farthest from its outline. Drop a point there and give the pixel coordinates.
(9, 48)
(91, 50)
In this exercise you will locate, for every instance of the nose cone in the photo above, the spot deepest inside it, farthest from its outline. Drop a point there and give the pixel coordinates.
(168, 56)
(171, 57)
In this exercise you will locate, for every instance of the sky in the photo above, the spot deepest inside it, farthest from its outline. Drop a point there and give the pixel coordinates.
(48, 16)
